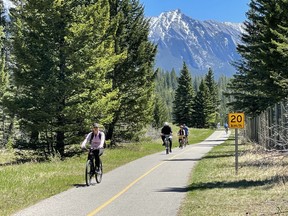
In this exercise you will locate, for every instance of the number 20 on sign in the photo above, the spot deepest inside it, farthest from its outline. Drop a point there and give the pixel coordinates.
(236, 120)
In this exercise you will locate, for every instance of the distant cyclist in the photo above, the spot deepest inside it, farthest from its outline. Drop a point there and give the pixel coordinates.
(166, 130)
(96, 139)
(226, 127)
(186, 132)
(181, 136)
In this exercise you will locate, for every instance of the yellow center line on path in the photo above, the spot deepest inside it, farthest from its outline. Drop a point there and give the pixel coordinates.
(130, 185)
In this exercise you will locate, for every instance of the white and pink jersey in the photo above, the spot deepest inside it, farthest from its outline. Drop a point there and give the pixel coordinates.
(97, 142)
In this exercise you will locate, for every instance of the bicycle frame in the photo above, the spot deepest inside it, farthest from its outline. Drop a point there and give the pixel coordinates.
(91, 168)
(182, 141)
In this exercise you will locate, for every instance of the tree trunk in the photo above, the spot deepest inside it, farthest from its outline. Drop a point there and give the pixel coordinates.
(60, 136)
(60, 142)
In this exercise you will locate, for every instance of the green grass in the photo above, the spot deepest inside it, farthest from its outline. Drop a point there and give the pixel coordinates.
(25, 184)
(260, 188)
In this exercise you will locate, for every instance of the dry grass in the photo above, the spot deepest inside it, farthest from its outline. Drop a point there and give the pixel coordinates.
(260, 188)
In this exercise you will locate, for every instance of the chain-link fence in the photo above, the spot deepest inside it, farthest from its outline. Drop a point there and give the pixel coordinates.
(270, 128)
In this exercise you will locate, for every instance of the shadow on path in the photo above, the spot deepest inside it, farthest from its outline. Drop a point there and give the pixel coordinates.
(184, 159)
(175, 189)
(80, 185)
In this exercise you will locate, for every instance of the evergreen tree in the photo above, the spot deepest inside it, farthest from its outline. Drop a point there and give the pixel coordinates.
(160, 113)
(166, 83)
(256, 84)
(280, 40)
(134, 76)
(173, 79)
(213, 94)
(6, 122)
(224, 100)
(62, 52)
(184, 95)
(202, 104)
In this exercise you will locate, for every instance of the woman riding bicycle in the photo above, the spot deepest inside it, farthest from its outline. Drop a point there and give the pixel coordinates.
(96, 139)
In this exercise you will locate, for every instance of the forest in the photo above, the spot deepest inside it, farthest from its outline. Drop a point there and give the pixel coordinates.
(67, 64)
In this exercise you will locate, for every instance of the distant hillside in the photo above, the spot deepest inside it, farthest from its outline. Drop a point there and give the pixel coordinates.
(201, 44)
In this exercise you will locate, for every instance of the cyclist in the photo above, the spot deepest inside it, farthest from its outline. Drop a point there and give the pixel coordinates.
(96, 139)
(181, 135)
(226, 127)
(186, 132)
(166, 130)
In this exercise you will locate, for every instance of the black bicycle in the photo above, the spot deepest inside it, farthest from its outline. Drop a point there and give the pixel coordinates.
(91, 170)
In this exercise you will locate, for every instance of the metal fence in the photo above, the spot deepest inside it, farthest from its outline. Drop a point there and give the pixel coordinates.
(270, 128)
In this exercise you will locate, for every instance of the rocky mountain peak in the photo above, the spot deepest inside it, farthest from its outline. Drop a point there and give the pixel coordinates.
(201, 44)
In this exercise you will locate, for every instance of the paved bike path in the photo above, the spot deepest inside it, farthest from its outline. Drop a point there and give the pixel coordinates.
(152, 185)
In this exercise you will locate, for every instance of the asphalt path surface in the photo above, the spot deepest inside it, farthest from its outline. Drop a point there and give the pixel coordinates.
(152, 185)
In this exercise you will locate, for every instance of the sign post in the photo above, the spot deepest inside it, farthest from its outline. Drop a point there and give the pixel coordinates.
(236, 120)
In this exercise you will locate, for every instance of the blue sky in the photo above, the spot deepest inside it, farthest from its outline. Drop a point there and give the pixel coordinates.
(218, 10)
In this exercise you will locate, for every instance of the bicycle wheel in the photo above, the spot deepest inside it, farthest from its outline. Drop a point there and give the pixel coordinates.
(98, 175)
(181, 144)
(167, 146)
(89, 172)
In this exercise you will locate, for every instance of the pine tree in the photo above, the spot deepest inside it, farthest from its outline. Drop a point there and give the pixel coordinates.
(134, 76)
(62, 53)
(224, 100)
(165, 84)
(213, 94)
(280, 40)
(6, 121)
(160, 113)
(256, 84)
(202, 104)
(184, 95)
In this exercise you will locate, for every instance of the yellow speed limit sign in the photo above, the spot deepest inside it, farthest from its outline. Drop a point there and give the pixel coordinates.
(236, 120)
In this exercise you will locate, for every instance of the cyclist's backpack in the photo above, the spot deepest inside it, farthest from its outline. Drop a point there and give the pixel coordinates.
(92, 136)
(181, 132)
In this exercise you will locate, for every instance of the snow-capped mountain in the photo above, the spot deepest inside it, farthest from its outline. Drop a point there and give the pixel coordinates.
(201, 44)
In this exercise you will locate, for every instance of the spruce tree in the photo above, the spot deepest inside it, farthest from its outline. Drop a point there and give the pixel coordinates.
(166, 83)
(213, 94)
(202, 104)
(256, 84)
(160, 113)
(184, 95)
(134, 76)
(280, 40)
(6, 122)
(224, 100)
(62, 53)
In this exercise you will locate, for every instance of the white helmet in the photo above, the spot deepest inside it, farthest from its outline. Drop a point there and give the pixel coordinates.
(166, 123)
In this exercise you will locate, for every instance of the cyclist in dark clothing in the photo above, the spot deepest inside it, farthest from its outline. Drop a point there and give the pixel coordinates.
(166, 130)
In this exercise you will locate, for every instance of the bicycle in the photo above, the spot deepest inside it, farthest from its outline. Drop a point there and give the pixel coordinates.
(90, 170)
(182, 141)
(186, 140)
(166, 142)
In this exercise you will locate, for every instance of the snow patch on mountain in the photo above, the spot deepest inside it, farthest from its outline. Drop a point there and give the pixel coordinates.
(201, 44)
